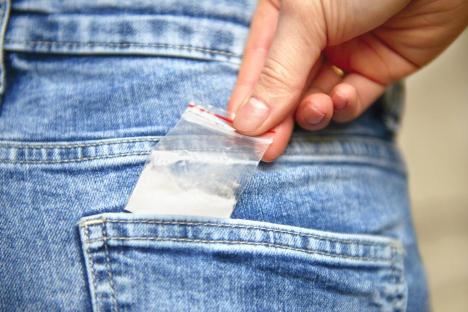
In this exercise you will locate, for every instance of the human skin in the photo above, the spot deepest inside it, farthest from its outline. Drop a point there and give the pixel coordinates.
(287, 76)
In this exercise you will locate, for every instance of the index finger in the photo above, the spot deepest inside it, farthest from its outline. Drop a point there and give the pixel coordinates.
(261, 35)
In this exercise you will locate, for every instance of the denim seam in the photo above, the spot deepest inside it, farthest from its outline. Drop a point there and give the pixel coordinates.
(73, 160)
(92, 269)
(394, 272)
(399, 278)
(253, 227)
(304, 140)
(152, 238)
(385, 163)
(72, 145)
(108, 266)
(124, 45)
(369, 161)
(146, 152)
(359, 160)
(334, 135)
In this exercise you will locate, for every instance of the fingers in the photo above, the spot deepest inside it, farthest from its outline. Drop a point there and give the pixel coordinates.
(332, 97)
(294, 50)
(315, 112)
(263, 28)
(316, 108)
(353, 96)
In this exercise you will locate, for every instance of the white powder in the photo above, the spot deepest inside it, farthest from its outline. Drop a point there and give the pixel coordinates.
(160, 191)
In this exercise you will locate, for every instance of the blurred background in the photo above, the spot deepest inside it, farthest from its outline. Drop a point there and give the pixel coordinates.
(434, 139)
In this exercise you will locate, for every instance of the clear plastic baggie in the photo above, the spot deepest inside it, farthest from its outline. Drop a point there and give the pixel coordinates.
(199, 168)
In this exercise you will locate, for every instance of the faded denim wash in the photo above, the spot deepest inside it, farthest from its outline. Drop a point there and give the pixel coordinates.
(90, 87)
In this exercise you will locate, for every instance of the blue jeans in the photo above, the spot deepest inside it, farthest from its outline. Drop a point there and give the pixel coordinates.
(88, 89)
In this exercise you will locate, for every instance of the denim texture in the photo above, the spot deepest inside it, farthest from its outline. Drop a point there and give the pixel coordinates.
(90, 88)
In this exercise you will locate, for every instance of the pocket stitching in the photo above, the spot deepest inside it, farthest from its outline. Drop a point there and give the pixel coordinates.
(391, 243)
(65, 145)
(91, 265)
(145, 153)
(108, 267)
(232, 242)
(123, 45)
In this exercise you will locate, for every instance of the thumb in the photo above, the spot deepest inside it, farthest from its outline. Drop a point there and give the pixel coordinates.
(296, 47)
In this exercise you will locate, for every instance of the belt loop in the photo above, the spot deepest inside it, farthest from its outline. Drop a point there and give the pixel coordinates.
(4, 14)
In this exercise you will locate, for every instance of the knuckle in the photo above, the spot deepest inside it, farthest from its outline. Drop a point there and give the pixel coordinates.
(278, 78)
(276, 3)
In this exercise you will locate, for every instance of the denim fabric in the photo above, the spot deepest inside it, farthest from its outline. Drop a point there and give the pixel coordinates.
(91, 86)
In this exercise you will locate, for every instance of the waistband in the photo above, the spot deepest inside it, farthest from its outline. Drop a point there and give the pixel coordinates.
(203, 29)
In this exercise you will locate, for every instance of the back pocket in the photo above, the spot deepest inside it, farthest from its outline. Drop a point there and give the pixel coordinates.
(167, 263)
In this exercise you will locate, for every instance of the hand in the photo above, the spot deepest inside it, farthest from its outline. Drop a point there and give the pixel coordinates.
(287, 75)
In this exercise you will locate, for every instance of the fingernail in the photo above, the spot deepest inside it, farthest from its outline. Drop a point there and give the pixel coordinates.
(231, 115)
(339, 101)
(312, 115)
(251, 115)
